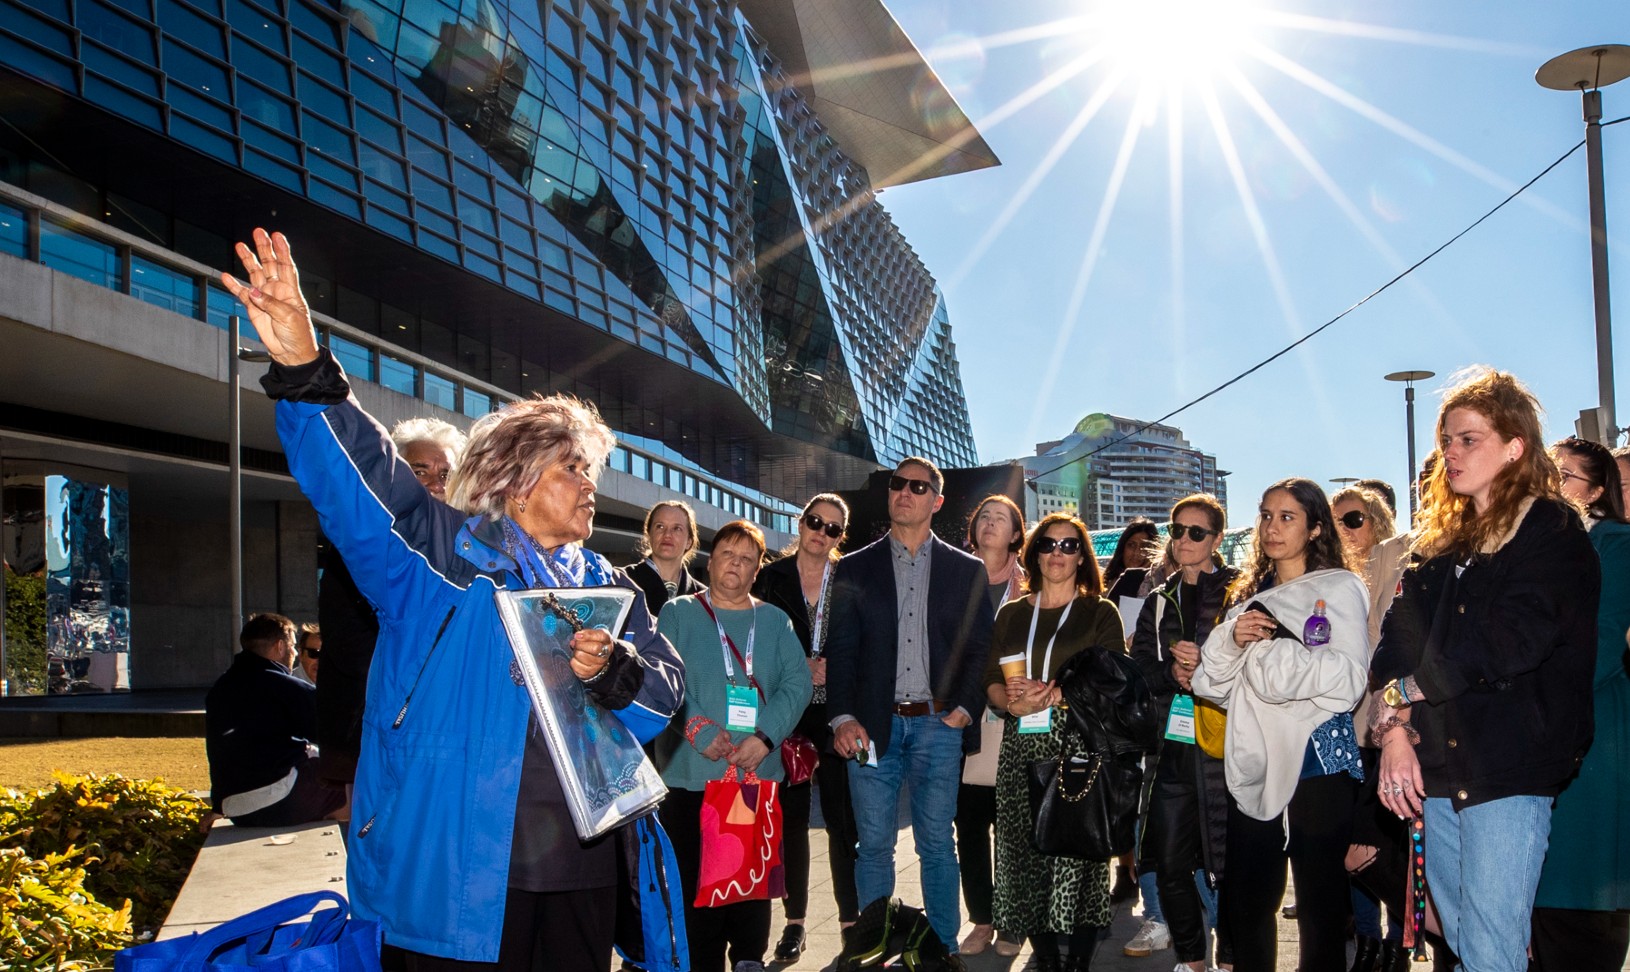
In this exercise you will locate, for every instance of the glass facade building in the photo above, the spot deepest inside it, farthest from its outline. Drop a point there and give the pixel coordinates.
(665, 207)
(1111, 469)
(528, 193)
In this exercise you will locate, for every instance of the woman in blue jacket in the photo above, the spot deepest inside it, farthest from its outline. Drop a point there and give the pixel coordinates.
(462, 845)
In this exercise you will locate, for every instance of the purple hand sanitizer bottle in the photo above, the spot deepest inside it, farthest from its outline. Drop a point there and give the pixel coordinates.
(1316, 631)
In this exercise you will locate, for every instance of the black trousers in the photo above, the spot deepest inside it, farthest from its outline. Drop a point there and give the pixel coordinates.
(742, 929)
(842, 839)
(543, 931)
(1568, 940)
(1321, 819)
(1172, 839)
(975, 819)
(795, 803)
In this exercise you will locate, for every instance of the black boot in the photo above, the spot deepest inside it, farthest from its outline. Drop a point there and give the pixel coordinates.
(1126, 886)
(1393, 958)
(1046, 962)
(1365, 955)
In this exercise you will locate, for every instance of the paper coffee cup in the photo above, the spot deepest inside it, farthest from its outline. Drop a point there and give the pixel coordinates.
(1012, 665)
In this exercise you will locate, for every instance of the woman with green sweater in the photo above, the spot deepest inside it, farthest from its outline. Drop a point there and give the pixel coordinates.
(746, 686)
(1582, 908)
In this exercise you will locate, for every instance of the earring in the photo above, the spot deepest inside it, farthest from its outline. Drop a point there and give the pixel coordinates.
(520, 505)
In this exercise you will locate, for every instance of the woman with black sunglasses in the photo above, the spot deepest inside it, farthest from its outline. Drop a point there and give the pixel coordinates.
(1289, 665)
(798, 584)
(1186, 820)
(1054, 901)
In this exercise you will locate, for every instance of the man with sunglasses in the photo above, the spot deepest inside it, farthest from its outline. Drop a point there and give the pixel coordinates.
(910, 638)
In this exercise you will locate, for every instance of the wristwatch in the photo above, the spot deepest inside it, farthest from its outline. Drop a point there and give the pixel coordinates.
(1394, 696)
(764, 739)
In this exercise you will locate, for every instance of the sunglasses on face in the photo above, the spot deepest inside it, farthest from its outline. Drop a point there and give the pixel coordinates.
(818, 525)
(1067, 546)
(1193, 531)
(312, 652)
(917, 486)
(1353, 519)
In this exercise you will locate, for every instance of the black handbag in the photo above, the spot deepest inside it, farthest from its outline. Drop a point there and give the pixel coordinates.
(1085, 805)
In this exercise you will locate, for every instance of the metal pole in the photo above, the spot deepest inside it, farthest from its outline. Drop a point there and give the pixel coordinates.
(1598, 267)
(5, 679)
(1409, 419)
(235, 477)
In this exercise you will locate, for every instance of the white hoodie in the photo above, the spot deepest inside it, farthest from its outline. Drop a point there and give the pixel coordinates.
(1278, 691)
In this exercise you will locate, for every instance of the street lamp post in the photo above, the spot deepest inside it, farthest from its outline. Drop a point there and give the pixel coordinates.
(1409, 378)
(234, 459)
(1588, 70)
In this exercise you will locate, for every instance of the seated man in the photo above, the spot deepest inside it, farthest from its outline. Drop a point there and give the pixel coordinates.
(259, 720)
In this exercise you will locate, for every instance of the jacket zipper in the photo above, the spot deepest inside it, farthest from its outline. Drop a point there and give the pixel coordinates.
(402, 713)
(662, 886)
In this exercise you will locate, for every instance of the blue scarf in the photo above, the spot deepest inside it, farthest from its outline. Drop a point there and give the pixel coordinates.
(565, 566)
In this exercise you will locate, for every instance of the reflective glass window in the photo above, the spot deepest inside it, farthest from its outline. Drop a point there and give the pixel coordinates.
(384, 197)
(385, 168)
(318, 97)
(163, 287)
(271, 169)
(140, 8)
(372, 93)
(314, 21)
(31, 60)
(476, 404)
(99, 21)
(357, 359)
(476, 214)
(432, 192)
(194, 70)
(181, 21)
(339, 175)
(439, 391)
(480, 264)
(422, 121)
(318, 61)
(335, 199)
(257, 25)
(51, 8)
(13, 231)
(439, 245)
(252, 62)
(398, 375)
(109, 64)
(219, 306)
(379, 129)
(388, 222)
(327, 138)
(65, 250)
(429, 157)
(199, 107)
(263, 106)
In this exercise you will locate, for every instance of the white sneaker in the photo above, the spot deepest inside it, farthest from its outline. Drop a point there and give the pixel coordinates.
(1152, 937)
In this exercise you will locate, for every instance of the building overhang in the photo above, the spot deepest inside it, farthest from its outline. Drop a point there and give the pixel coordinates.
(871, 88)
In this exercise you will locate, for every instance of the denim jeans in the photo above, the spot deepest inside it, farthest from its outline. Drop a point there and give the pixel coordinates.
(927, 753)
(1482, 865)
(1148, 886)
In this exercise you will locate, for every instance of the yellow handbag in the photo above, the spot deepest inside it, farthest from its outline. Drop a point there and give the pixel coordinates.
(1210, 725)
(1210, 719)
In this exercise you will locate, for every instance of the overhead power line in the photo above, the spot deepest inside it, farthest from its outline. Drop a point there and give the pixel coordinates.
(1316, 331)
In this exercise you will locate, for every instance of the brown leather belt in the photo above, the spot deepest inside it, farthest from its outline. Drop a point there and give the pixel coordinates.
(922, 708)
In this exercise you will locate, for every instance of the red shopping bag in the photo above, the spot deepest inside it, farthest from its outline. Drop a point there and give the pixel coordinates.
(741, 842)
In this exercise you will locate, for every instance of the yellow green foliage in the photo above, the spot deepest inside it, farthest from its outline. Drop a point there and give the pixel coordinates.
(80, 846)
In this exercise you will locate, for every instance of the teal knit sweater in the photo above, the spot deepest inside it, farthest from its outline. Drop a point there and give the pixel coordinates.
(778, 665)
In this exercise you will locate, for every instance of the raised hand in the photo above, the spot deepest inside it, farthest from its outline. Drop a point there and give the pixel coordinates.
(272, 297)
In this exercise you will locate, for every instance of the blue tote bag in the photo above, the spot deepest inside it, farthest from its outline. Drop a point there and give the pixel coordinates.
(267, 940)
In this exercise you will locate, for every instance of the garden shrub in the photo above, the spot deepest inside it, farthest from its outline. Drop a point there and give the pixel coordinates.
(104, 855)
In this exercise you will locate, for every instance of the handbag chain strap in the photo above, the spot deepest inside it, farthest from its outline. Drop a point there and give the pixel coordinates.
(1064, 792)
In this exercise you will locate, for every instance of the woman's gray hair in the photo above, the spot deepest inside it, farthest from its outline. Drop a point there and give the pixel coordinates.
(510, 449)
(432, 430)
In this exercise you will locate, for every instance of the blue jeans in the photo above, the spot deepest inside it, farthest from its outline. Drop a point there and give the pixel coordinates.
(1147, 886)
(1482, 866)
(927, 753)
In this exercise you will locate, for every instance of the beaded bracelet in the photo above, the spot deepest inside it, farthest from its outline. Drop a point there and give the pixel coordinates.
(694, 726)
(1380, 729)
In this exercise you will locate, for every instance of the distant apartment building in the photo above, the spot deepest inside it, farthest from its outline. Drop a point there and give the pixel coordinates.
(1111, 469)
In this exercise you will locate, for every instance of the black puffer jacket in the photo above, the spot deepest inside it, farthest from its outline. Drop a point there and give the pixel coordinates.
(1151, 653)
(1505, 655)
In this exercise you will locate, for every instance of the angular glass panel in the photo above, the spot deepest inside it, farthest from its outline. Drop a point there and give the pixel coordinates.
(357, 359)
(263, 106)
(254, 63)
(323, 100)
(440, 392)
(163, 287)
(116, 99)
(257, 25)
(104, 62)
(65, 250)
(182, 22)
(192, 69)
(268, 168)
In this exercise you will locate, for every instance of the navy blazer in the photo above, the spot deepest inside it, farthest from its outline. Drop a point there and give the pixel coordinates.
(862, 644)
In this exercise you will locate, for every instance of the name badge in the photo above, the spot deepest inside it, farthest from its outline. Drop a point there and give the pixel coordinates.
(1037, 722)
(741, 708)
(1180, 724)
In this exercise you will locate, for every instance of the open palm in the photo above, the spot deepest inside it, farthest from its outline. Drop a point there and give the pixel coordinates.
(272, 297)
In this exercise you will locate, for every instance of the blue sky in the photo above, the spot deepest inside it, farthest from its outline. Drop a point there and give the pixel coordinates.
(1359, 136)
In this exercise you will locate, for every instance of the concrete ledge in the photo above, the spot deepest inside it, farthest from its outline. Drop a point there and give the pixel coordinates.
(240, 869)
(38, 724)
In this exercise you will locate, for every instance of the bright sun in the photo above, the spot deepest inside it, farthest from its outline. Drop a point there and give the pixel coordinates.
(1169, 45)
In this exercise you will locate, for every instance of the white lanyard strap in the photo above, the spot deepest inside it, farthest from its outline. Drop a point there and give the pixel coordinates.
(724, 645)
(1030, 649)
(817, 636)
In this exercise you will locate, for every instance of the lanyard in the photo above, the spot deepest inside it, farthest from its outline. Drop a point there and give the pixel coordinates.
(729, 648)
(1030, 649)
(817, 635)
